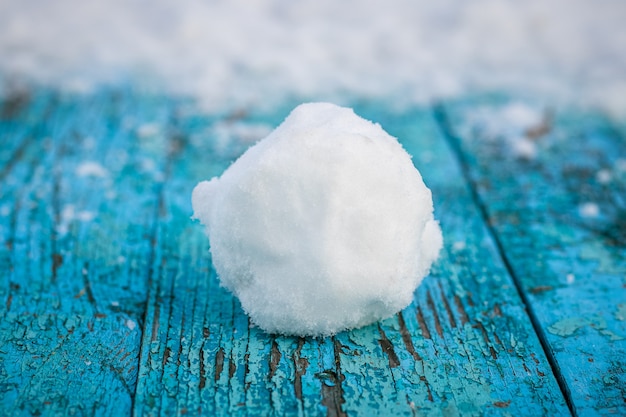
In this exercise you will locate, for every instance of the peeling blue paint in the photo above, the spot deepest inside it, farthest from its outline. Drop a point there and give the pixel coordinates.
(122, 312)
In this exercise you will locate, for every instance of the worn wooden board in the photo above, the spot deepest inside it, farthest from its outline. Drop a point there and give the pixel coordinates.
(78, 213)
(465, 346)
(109, 304)
(559, 215)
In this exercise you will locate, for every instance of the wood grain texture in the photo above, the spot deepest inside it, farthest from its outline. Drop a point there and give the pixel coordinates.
(109, 304)
(465, 346)
(560, 219)
(78, 211)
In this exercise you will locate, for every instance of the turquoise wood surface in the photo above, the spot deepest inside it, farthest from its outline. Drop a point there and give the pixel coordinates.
(560, 221)
(109, 304)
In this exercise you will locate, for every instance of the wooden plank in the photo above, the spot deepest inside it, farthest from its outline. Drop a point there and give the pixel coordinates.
(78, 209)
(20, 115)
(465, 346)
(559, 214)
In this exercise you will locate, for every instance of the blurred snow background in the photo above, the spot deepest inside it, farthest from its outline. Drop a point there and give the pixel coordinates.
(233, 54)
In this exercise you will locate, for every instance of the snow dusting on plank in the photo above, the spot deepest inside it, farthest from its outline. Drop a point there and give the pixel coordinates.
(91, 169)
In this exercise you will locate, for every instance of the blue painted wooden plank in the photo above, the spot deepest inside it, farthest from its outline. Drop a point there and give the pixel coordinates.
(20, 113)
(559, 215)
(76, 241)
(470, 311)
(466, 345)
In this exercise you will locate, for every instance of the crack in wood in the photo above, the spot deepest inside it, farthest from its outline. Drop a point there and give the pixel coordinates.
(470, 300)
(246, 370)
(179, 354)
(120, 377)
(166, 355)
(275, 356)
(497, 311)
(155, 323)
(431, 306)
(430, 393)
(485, 336)
(497, 339)
(406, 338)
(332, 390)
(442, 119)
(422, 324)
(202, 382)
(388, 348)
(219, 363)
(300, 366)
(87, 286)
(502, 404)
(540, 289)
(14, 103)
(461, 310)
(55, 202)
(232, 368)
(447, 307)
(17, 155)
(332, 396)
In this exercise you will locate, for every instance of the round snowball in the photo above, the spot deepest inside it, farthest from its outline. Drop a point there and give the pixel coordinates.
(322, 226)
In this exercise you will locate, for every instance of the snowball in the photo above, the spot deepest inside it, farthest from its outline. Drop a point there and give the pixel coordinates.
(322, 226)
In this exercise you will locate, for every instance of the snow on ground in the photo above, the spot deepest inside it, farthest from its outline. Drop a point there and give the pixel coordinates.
(243, 53)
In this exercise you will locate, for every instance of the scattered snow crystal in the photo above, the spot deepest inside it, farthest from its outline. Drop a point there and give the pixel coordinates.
(604, 176)
(589, 209)
(91, 169)
(517, 124)
(322, 226)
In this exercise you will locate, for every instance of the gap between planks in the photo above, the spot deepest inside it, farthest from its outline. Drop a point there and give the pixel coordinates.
(442, 121)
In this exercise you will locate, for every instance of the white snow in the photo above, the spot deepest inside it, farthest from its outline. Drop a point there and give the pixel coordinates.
(226, 134)
(69, 214)
(523, 147)
(604, 176)
(459, 245)
(513, 119)
(510, 124)
(147, 130)
(239, 53)
(322, 226)
(91, 169)
(589, 209)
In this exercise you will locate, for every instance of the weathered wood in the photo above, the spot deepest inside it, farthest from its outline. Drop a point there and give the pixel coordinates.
(109, 303)
(466, 345)
(79, 198)
(20, 115)
(560, 219)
